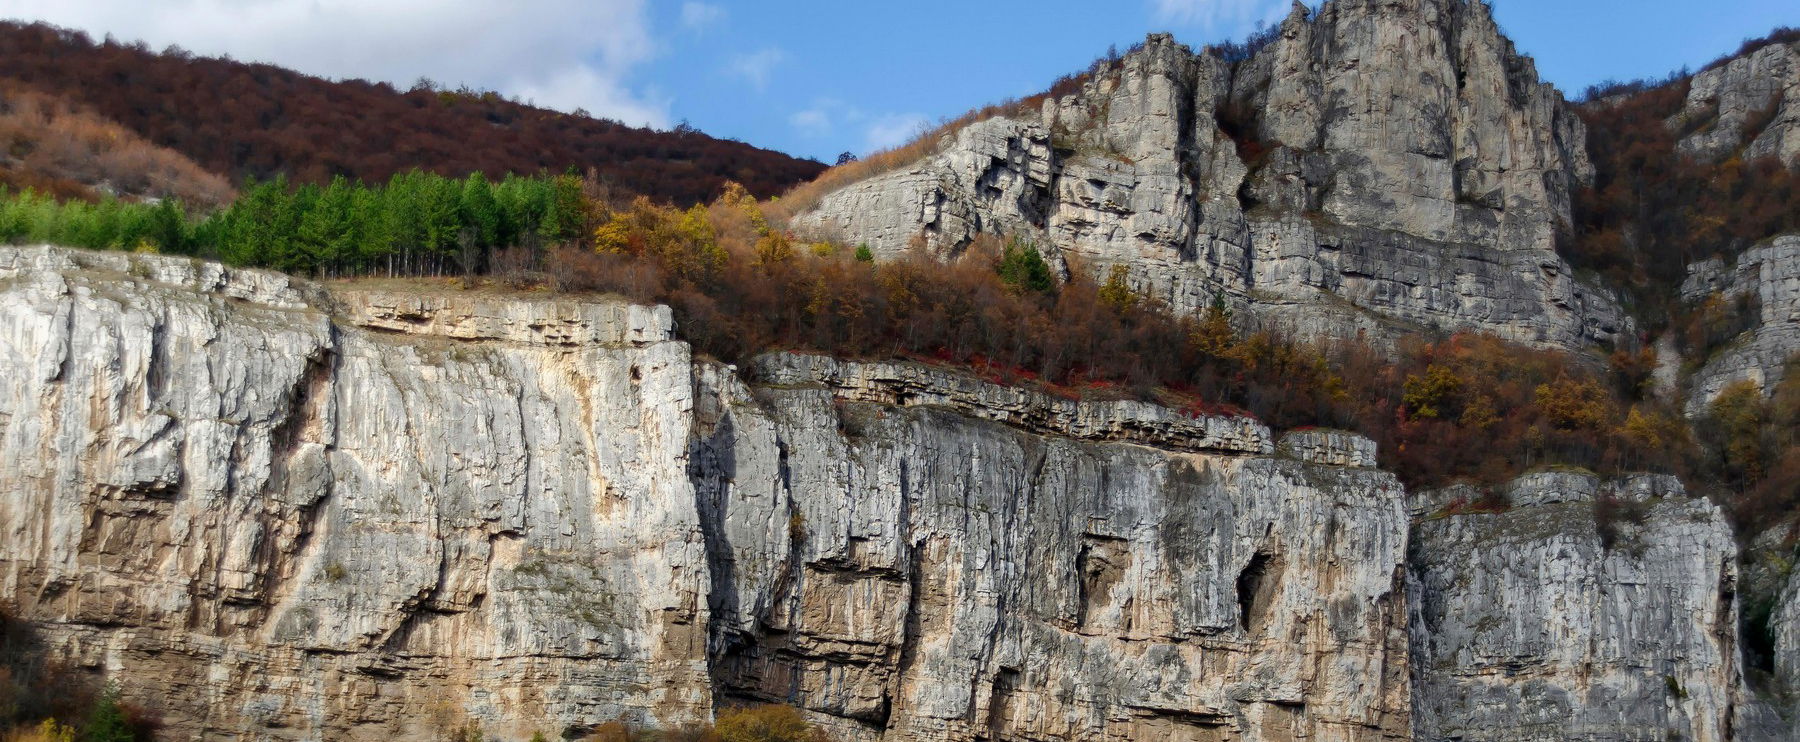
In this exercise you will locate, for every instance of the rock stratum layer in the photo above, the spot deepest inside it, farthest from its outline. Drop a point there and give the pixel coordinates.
(1378, 165)
(275, 510)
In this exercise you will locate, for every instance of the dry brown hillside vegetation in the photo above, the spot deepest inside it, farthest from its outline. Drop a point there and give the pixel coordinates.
(239, 119)
(53, 146)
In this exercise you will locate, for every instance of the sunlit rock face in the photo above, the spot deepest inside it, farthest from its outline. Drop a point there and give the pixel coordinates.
(274, 510)
(1377, 167)
(278, 510)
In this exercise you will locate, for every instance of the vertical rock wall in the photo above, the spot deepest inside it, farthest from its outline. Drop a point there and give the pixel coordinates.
(279, 511)
(1534, 624)
(266, 523)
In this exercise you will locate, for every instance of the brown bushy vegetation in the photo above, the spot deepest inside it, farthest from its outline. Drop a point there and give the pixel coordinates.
(1466, 406)
(54, 147)
(1781, 35)
(259, 120)
(43, 700)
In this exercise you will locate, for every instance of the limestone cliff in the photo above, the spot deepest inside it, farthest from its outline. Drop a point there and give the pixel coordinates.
(1376, 166)
(285, 511)
(1770, 274)
(1749, 104)
(278, 511)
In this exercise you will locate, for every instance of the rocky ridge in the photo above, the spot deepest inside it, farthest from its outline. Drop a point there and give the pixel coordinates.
(278, 511)
(1377, 166)
(1750, 105)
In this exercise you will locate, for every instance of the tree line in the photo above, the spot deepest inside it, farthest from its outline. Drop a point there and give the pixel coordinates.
(417, 223)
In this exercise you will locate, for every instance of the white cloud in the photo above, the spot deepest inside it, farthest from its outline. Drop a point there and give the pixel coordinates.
(562, 53)
(698, 17)
(1214, 14)
(756, 67)
(895, 129)
(812, 122)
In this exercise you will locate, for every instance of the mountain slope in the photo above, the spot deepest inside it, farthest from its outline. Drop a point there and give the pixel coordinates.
(68, 151)
(242, 119)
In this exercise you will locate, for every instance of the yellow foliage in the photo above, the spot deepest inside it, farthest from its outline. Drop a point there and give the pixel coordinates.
(1572, 404)
(614, 236)
(1479, 413)
(774, 247)
(1116, 293)
(763, 724)
(1213, 335)
(1741, 415)
(1429, 394)
(49, 731)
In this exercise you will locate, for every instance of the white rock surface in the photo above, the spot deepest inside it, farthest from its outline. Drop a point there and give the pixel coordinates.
(272, 524)
(282, 511)
(1415, 173)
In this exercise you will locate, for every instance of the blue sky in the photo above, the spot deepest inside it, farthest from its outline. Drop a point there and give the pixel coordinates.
(815, 77)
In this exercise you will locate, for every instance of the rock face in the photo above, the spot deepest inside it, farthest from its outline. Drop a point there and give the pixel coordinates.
(1750, 104)
(910, 566)
(280, 511)
(1376, 166)
(1771, 274)
(273, 523)
(1784, 624)
(276, 511)
(1532, 625)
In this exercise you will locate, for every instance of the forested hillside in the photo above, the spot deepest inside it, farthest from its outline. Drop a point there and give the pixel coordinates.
(239, 119)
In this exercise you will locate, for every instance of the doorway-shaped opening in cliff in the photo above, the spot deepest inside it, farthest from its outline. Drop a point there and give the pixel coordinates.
(1256, 586)
(1102, 564)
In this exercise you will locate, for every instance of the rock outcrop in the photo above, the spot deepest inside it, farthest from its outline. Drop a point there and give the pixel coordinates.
(1749, 105)
(922, 572)
(1376, 166)
(284, 511)
(1535, 624)
(275, 510)
(1770, 275)
(270, 522)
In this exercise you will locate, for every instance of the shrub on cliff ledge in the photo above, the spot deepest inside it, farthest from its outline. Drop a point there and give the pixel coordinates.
(770, 723)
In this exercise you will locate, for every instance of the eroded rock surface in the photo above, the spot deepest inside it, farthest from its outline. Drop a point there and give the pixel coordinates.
(1378, 166)
(924, 573)
(280, 511)
(1770, 274)
(272, 523)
